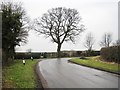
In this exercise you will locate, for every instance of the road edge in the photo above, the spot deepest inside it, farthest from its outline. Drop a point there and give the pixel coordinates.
(38, 81)
(117, 73)
(40, 76)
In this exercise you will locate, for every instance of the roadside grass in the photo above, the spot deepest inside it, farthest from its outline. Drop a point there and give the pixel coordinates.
(97, 63)
(18, 75)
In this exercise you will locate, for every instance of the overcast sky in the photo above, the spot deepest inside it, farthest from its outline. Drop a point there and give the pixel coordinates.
(98, 16)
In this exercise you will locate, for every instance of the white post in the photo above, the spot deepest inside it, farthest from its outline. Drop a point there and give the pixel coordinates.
(23, 62)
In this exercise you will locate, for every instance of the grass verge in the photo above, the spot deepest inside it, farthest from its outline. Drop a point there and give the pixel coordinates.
(95, 62)
(18, 75)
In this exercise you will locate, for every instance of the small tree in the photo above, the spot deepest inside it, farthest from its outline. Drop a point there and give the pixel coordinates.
(106, 40)
(89, 42)
(60, 24)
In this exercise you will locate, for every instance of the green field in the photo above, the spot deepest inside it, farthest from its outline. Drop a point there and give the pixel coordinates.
(97, 63)
(18, 75)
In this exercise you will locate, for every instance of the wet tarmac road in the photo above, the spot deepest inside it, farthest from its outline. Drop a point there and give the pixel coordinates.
(59, 73)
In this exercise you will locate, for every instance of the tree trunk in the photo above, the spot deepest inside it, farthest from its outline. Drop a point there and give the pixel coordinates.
(4, 57)
(58, 51)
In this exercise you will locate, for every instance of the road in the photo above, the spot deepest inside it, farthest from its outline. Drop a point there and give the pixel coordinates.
(59, 73)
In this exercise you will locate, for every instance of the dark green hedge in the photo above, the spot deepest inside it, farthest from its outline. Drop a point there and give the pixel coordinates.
(111, 54)
(27, 55)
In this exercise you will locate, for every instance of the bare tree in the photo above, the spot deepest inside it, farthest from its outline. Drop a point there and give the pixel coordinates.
(89, 42)
(60, 24)
(117, 43)
(106, 40)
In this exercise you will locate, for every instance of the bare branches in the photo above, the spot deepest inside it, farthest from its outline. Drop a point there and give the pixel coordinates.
(89, 42)
(116, 43)
(60, 23)
(106, 40)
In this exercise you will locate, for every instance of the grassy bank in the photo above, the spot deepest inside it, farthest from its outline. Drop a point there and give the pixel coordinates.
(18, 75)
(97, 63)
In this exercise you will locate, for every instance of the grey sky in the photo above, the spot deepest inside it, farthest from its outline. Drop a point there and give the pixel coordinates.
(98, 16)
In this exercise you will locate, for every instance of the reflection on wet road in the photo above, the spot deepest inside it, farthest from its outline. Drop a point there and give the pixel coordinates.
(59, 73)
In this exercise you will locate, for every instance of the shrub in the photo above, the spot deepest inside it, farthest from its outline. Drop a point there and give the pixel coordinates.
(111, 54)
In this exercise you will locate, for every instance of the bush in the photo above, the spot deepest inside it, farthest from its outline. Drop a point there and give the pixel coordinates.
(111, 54)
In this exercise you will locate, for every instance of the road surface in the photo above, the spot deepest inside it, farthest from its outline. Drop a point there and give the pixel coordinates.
(59, 73)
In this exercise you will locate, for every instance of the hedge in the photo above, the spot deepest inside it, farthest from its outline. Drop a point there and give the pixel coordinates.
(27, 55)
(90, 53)
(111, 54)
